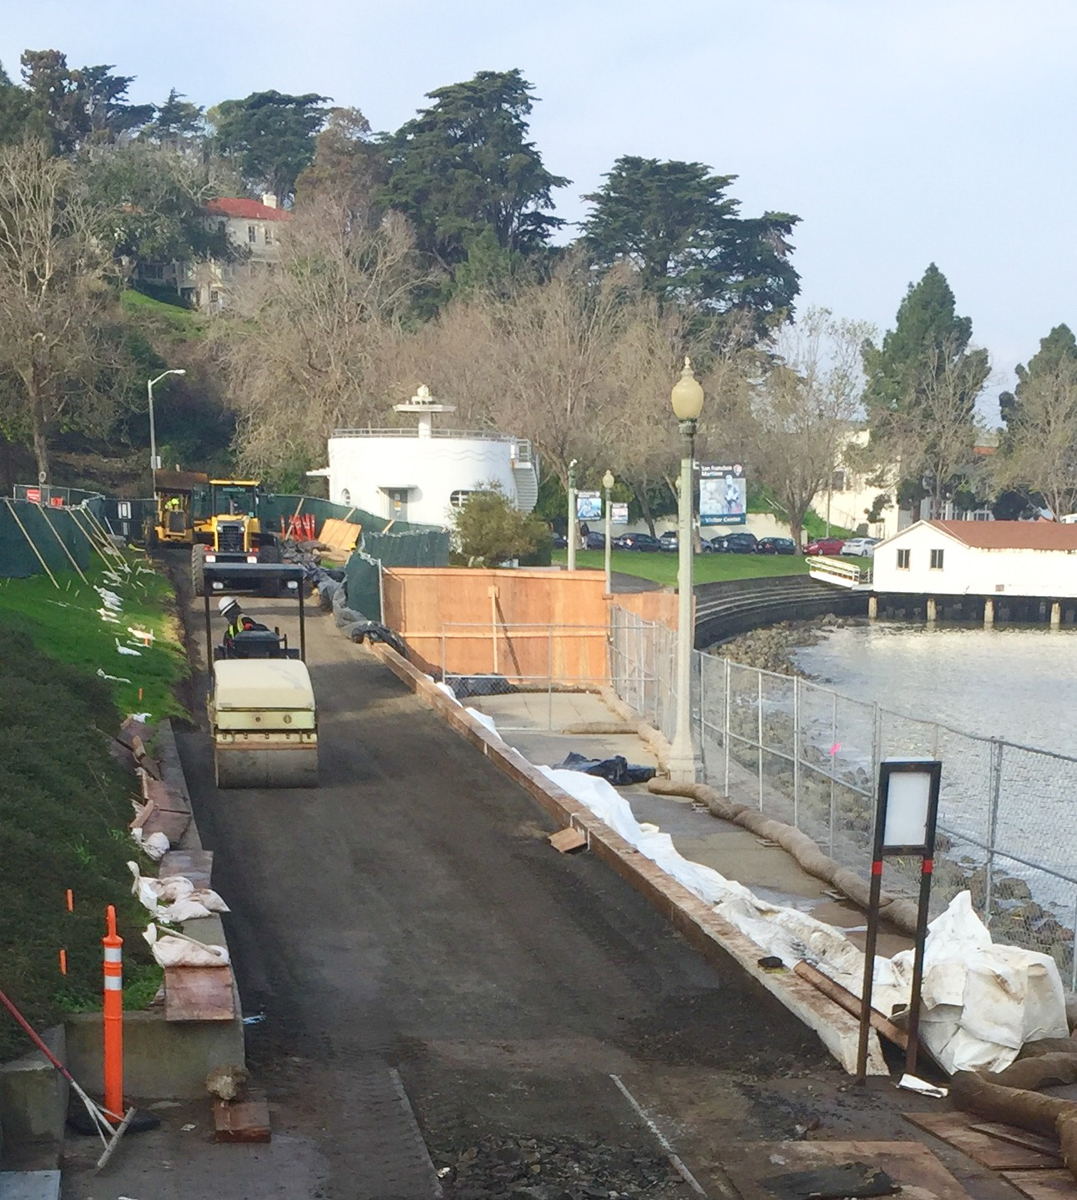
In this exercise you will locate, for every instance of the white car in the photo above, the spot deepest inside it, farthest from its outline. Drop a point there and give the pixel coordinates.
(860, 547)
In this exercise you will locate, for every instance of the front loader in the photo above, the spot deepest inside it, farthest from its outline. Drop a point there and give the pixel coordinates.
(233, 532)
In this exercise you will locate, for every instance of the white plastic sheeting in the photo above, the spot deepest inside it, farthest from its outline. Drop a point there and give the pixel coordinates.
(981, 1002)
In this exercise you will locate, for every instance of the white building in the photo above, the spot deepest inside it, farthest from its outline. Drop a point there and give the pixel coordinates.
(251, 225)
(421, 474)
(991, 559)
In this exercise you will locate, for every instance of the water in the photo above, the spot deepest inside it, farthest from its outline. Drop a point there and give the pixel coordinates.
(1016, 684)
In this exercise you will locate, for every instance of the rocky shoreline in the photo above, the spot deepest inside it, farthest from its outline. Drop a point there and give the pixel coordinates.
(772, 648)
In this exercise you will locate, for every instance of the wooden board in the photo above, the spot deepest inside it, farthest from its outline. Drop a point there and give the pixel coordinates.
(1043, 1185)
(908, 1163)
(195, 865)
(956, 1130)
(241, 1120)
(199, 994)
(1020, 1137)
(568, 839)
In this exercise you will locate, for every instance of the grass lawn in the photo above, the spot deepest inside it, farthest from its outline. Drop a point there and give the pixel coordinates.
(67, 625)
(64, 798)
(662, 567)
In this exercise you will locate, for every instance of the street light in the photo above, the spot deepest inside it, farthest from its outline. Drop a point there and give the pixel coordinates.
(572, 515)
(687, 400)
(153, 432)
(608, 482)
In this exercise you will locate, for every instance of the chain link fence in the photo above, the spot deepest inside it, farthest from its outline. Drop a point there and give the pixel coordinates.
(809, 756)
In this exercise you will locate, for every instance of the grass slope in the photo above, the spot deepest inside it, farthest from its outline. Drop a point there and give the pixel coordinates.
(64, 800)
(662, 567)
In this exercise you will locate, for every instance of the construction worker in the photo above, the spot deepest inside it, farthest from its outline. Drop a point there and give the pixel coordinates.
(228, 607)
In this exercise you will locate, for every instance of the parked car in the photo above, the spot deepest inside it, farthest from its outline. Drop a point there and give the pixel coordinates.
(640, 541)
(824, 545)
(741, 543)
(776, 545)
(595, 541)
(668, 540)
(560, 542)
(717, 545)
(860, 547)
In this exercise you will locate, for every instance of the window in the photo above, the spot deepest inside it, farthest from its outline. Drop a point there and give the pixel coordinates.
(222, 226)
(457, 498)
(269, 236)
(252, 234)
(345, 496)
(903, 560)
(936, 560)
(837, 481)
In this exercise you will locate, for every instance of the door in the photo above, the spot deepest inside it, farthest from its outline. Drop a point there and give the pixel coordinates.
(398, 504)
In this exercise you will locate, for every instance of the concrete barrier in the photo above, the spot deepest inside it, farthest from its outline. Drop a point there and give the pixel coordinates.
(713, 937)
(33, 1096)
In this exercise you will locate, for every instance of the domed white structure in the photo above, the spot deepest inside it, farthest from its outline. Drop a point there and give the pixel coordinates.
(420, 474)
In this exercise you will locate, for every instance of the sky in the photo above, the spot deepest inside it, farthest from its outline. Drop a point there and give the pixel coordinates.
(901, 132)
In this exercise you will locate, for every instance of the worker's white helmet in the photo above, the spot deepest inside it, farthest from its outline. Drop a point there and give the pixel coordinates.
(225, 603)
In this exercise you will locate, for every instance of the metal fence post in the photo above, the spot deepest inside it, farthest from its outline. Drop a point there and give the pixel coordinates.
(833, 766)
(702, 709)
(759, 732)
(549, 678)
(1073, 967)
(796, 751)
(728, 711)
(994, 776)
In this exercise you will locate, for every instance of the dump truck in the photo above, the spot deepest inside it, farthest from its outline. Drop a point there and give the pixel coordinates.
(262, 711)
(233, 532)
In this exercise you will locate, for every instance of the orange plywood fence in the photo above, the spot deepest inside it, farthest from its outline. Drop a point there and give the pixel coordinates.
(524, 624)
(660, 606)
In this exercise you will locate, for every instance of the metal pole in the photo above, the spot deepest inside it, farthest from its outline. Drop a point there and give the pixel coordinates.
(833, 763)
(609, 538)
(796, 751)
(153, 435)
(918, 966)
(995, 777)
(728, 706)
(682, 768)
(702, 711)
(869, 973)
(572, 515)
(759, 730)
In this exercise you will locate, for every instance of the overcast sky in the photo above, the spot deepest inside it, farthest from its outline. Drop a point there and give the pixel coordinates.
(900, 132)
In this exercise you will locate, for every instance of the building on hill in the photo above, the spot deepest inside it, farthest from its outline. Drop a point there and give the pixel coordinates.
(251, 225)
(420, 474)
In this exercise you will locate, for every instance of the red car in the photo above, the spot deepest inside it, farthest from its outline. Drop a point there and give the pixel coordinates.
(824, 545)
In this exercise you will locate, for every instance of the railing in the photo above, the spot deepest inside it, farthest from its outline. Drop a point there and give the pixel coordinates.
(809, 756)
(833, 570)
(523, 445)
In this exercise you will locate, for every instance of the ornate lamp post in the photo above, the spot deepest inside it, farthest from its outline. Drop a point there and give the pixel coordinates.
(687, 400)
(608, 482)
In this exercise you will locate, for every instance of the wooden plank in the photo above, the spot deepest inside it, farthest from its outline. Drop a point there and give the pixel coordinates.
(162, 795)
(1020, 1137)
(955, 1129)
(843, 997)
(195, 865)
(910, 1164)
(1043, 1185)
(199, 994)
(241, 1120)
(567, 839)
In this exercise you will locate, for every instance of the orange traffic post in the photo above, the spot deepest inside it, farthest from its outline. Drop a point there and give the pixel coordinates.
(113, 945)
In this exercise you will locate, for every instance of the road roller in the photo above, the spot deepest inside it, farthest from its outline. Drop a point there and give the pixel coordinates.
(262, 712)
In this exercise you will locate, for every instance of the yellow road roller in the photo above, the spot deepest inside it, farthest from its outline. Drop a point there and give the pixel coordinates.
(261, 705)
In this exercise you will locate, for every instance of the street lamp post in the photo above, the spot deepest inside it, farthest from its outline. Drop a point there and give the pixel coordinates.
(687, 400)
(153, 431)
(572, 515)
(608, 482)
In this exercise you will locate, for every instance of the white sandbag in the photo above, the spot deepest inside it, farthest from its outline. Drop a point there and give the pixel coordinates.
(176, 950)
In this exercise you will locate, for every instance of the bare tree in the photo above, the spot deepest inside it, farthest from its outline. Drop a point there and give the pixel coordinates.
(316, 344)
(801, 407)
(1039, 452)
(57, 301)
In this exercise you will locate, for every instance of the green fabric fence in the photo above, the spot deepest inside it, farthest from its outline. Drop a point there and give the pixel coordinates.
(33, 537)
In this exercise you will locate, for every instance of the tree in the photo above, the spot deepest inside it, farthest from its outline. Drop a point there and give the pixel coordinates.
(316, 345)
(105, 98)
(56, 305)
(924, 372)
(271, 137)
(157, 196)
(464, 165)
(675, 223)
(57, 102)
(347, 164)
(490, 529)
(801, 408)
(14, 109)
(175, 122)
(1038, 452)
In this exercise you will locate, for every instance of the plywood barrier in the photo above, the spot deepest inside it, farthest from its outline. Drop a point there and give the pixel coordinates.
(660, 606)
(340, 535)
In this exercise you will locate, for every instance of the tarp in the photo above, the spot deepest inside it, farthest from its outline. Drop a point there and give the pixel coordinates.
(46, 528)
(362, 578)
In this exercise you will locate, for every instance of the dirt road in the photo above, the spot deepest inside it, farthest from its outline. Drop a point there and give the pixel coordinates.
(408, 932)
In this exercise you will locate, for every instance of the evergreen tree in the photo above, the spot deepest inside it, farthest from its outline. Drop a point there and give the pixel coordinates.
(14, 109)
(676, 224)
(175, 121)
(1059, 347)
(104, 96)
(57, 104)
(464, 165)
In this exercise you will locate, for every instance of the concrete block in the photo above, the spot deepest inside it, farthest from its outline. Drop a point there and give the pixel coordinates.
(33, 1096)
(162, 1060)
(29, 1185)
